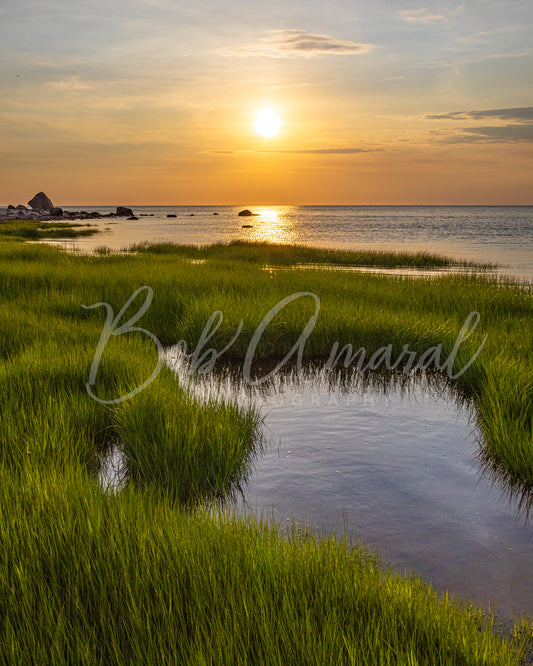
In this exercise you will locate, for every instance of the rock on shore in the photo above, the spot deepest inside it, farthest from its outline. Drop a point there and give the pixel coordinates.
(41, 202)
(42, 208)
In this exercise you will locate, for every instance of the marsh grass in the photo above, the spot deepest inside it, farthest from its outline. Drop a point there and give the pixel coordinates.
(146, 576)
(185, 447)
(107, 579)
(37, 230)
(291, 255)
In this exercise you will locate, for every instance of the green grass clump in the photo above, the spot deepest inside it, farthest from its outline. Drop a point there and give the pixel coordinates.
(147, 576)
(186, 448)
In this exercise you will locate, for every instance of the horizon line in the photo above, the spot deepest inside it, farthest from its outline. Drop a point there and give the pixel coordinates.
(293, 205)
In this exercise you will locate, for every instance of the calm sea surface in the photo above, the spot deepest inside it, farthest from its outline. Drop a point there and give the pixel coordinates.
(502, 235)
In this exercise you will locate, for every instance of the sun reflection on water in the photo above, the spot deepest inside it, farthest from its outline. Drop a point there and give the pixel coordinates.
(274, 225)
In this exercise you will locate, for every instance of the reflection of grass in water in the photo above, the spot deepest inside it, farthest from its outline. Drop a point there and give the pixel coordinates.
(90, 577)
(102, 249)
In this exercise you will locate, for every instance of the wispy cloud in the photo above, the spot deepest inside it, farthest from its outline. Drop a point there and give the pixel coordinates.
(519, 130)
(423, 15)
(304, 151)
(287, 43)
(326, 151)
(73, 82)
(497, 134)
(518, 114)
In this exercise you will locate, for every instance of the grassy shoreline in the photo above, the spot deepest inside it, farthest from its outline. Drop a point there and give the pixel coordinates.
(39, 230)
(146, 576)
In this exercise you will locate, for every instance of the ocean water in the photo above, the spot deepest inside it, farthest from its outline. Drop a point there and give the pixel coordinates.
(495, 234)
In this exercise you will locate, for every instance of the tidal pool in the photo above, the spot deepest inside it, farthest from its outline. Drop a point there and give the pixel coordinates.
(397, 468)
(394, 463)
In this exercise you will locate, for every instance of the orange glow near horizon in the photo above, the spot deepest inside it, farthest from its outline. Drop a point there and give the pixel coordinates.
(352, 124)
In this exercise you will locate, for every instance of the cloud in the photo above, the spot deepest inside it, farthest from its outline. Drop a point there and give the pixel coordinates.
(287, 43)
(519, 130)
(519, 114)
(500, 134)
(69, 83)
(304, 151)
(422, 15)
(326, 151)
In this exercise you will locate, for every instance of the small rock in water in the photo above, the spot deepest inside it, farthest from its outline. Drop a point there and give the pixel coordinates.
(245, 213)
(171, 215)
(247, 226)
(132, 217)
(122, 211)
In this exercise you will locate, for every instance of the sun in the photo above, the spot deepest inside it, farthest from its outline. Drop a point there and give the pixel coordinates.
(267, 123)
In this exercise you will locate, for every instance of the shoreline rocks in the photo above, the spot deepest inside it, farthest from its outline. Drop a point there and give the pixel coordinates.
(43, 209)
(41, 202)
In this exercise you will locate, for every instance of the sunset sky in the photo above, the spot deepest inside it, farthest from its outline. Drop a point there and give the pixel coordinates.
(153, 102)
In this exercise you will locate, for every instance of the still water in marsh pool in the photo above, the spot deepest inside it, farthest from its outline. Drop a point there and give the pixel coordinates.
(395, 468)
(392, 463)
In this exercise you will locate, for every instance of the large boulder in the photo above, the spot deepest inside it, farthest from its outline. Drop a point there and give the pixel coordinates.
(41, 201)
(122, 211)
(57, 212)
